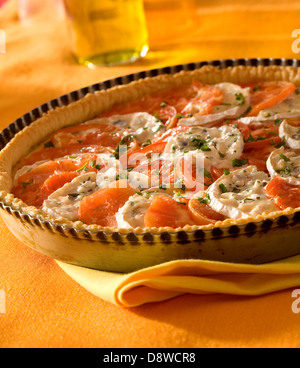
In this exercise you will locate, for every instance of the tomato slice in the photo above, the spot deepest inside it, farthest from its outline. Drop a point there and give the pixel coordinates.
(285, 195)
(203, 214)
(195, 178)
(243, 128)
(170, 133)
(29, 187)
(166, 212)
(29, 190)
(265, 95)
(161, 172)
(139, 157)
(194, 97)
(106, 135)
(216, 173)
(101, 207)
(207, 97)
(53, 153)
(259, 152)
(56, 181)
(259, 163)
(262, 144)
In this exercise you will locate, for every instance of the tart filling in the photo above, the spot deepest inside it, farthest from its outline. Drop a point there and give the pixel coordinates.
(188, 155)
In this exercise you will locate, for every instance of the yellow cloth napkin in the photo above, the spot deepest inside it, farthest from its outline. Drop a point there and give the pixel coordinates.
(176, 278)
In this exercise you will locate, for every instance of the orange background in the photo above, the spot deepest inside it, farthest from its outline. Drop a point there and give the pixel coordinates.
(46, 308)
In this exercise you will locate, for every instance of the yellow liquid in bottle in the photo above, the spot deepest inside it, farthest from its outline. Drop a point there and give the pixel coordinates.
(107, 32)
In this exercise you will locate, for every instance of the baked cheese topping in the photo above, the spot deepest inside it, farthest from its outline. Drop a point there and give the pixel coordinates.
(142, 126)
(241, 194)
(285, 164)
(136, 180)
(236, 102)
(65, 202)
(288, 108)
(290, 134)
(216, 146)
(132, 214)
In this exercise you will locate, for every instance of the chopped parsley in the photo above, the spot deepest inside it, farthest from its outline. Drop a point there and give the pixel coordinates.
(250, 139)
(284, 158)
(127, 139)
(280, 144)
(241, 98)
(286, 172)
(201, 144)
(239, 162)
(117, 153)
(223, 188)
(245, 113)
(205, 200)
(179, 184)
(162, 187)
(84, 167)
(147, 143)
(207, 174)
(121, 177)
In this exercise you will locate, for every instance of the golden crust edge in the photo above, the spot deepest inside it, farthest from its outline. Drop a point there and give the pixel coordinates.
(93, 105)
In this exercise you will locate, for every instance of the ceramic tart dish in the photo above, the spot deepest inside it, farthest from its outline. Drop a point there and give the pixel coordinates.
(255, 239)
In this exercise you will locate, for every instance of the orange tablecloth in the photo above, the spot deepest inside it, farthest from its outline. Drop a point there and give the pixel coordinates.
(45, 307)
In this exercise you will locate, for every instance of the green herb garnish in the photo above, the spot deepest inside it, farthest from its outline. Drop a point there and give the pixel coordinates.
(84, 167)
(223, 188)
(205, 200)
(239, 162)
(147, 143)
(240, 97)
(284, 158)
(250, 139)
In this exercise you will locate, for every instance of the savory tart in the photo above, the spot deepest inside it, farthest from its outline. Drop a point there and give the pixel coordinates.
(249, 168)
(169, 152)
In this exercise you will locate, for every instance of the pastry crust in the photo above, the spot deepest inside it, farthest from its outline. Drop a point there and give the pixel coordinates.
(95, 104)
